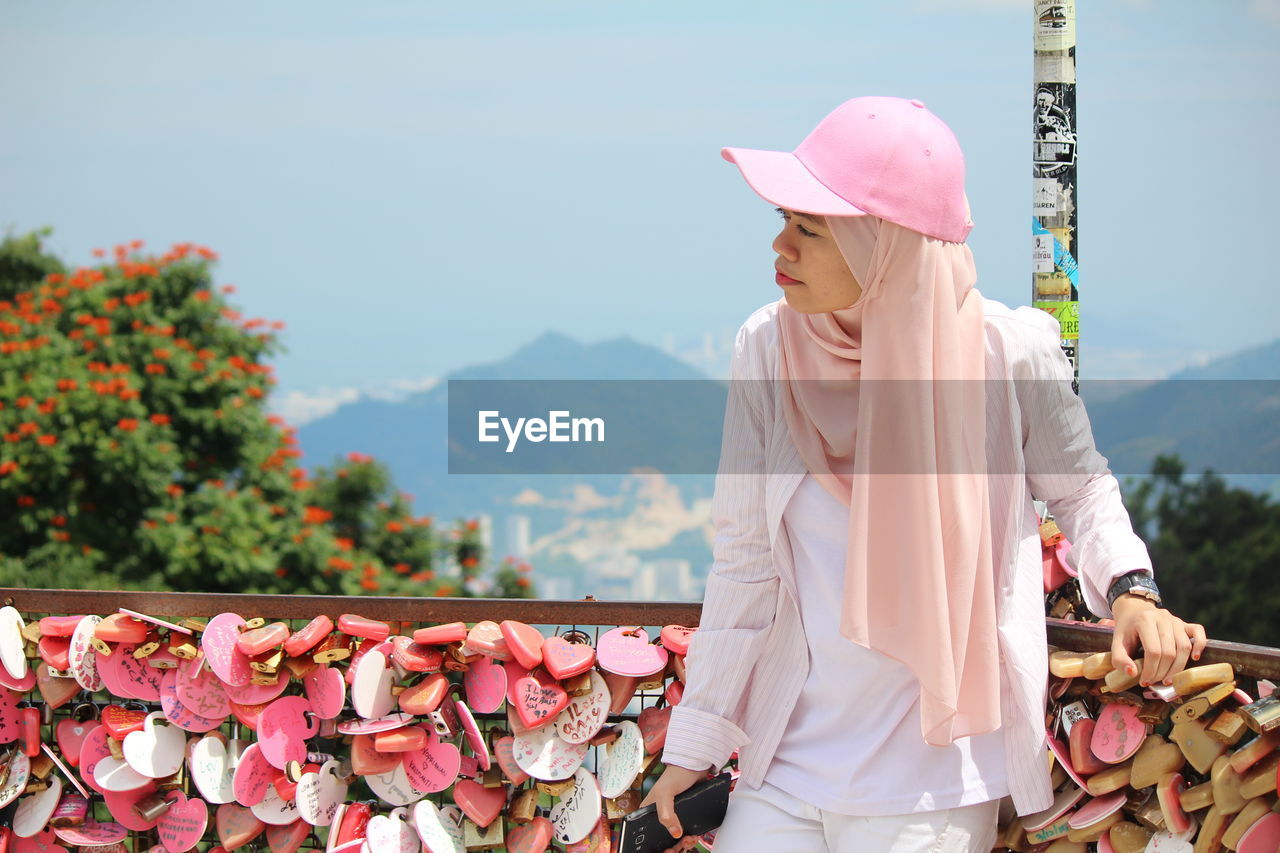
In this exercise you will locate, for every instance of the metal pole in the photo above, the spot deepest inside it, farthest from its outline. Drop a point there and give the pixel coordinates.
(1055, 235)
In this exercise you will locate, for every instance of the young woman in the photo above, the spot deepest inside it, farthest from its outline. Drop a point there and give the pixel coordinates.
(872, 640)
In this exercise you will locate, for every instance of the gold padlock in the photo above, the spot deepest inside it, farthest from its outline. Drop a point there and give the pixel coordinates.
(333, 648)
(556, 789)
(475, 837)
(194, 625)
(253, 624)
(264, 678)
(618, 807)
(524, 806)
(1050, 535)
(578, 685)
(146, 650)
(271, 663)
(100, 646)
(1228, 727)
(41, 766)
(1262, 715)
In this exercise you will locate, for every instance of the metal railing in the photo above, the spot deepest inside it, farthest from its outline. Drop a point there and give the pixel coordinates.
(1250, 660)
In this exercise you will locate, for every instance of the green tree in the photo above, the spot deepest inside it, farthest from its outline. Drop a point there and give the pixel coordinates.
(1215, 548)
(136, 450)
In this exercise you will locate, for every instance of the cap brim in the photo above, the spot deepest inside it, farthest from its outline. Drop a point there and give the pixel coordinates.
(780, 178)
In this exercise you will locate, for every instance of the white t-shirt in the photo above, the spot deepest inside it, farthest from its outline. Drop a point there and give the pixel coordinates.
(853, 744)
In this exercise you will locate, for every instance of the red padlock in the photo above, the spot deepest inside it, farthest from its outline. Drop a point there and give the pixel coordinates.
(365, 647)
(358, 626)
(415, 657)
(441, 635)
(119, 628)
(355, 824)
(305, 639)
(263, 639)
(54, 651)
(29, 731)
(405, 739)
(59, 626)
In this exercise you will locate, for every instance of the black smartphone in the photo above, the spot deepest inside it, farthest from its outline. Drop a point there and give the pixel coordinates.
(700, 809)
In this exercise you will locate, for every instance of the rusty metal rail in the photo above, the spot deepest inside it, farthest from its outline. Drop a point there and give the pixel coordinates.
(1253, 661)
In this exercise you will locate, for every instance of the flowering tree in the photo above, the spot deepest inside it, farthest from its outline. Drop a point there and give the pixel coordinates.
(136, 450)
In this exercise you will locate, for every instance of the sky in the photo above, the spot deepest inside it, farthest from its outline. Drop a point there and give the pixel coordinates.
(413, 187)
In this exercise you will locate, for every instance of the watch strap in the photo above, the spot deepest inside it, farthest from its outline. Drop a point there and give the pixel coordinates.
(1129, 580)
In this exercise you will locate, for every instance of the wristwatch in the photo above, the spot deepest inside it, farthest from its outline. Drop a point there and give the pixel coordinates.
(1138, 583)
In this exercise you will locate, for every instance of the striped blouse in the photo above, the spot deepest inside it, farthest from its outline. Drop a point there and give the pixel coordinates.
(748, 660)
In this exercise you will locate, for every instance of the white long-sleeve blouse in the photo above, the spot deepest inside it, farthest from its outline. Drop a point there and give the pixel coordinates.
(749, 659)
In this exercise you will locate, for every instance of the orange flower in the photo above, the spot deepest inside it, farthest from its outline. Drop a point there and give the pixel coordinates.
(161, 353)
(369, 584)
(28, 428)
(47, 440)
(26, 500)
(281, 572)
(24, 401)
(340, 563)
(523, 583)
(8, 468)
(419, 577)
(473, 524)
(128, 424)
(316, 515)
(444, 590)
(158, 419)
(343, 543)
(471, 562)
(174, 490)
(394, 526)
(399, 568)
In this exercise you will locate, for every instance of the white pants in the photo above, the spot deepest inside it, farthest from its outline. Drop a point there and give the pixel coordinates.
(769, 818)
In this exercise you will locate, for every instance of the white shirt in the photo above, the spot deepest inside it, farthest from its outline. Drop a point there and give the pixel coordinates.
(748, 660)
(852, 745)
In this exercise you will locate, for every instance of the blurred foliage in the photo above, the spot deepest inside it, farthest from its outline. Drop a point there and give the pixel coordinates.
(136, 451)
(1215, 549)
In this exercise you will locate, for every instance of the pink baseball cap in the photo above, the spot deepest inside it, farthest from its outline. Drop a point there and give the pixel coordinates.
(889, 157)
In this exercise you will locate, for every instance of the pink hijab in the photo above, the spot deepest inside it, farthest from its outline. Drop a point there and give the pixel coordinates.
(907, 458)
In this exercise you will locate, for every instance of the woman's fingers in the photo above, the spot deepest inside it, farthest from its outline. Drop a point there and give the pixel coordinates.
(667, 814)
(1198, 639)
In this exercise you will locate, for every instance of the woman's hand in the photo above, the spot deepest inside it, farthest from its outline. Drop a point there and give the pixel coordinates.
(1166, 640)
(674, 780)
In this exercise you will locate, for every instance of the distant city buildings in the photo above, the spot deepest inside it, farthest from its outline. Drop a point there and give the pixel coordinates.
(616, 574)
(518, 527)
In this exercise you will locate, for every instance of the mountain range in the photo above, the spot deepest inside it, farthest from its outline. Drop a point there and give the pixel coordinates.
(586, 529)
